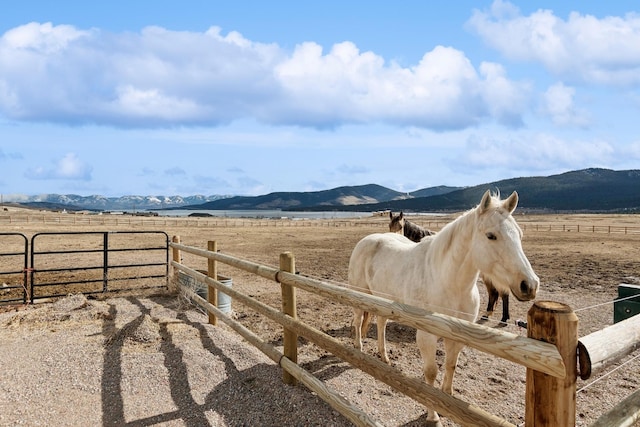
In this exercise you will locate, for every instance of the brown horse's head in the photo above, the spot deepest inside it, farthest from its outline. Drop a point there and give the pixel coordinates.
(396, 222)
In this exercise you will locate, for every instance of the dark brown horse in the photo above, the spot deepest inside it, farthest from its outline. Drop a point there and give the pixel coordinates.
(399, 224)
(411, 231)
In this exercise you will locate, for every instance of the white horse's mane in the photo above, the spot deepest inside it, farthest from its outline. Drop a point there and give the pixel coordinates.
(446, 236)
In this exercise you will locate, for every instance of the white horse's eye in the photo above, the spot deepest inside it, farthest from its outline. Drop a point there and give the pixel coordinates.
(492, 236)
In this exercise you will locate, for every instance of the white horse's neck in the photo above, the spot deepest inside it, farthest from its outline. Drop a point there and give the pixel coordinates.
(451, 249)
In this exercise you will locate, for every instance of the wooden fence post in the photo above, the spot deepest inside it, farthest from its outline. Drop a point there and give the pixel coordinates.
(176, 258)
(290, 338)
(551, 401)
(212, 271)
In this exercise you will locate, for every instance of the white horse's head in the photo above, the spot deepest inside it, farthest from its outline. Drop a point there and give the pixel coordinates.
(497, 248)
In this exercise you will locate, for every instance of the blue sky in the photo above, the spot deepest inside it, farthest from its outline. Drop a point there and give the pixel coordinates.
(208, 97)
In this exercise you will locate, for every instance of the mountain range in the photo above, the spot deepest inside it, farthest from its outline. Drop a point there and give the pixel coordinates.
(101, 203)
(594, 190)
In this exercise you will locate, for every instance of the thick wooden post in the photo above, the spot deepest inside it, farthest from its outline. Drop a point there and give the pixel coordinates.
(212, 271)
(290, 338)
(551, 401)
(176, 257)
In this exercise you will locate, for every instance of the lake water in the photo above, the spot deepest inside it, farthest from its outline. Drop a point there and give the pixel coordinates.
(266, 214)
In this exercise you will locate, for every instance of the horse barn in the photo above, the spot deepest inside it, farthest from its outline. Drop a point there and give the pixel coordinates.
(237, 321)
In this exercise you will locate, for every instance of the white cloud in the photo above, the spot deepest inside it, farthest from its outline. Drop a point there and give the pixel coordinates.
(138, 104)
(558, 103)
(539, 152)
(506, 99)
(582, 47)
(42, 38)
(443, 91)
(70, 167)
(159, 78)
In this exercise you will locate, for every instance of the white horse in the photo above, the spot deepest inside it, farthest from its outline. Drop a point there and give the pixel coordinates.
(398, 224)
(440, 273)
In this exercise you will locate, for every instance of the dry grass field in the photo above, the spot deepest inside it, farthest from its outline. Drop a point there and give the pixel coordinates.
(580, 259)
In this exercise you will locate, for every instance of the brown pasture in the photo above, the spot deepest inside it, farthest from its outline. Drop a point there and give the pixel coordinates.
(580, 268)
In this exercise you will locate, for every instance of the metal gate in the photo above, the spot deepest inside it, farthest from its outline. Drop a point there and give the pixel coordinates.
(95, 262)
(13, 267)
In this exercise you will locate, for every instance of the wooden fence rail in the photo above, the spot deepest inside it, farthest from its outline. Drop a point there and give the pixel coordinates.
(624, 414)
(578, 228)
(534, 354)
(227, 222)
(456, 409)
(602, 348)
(552, 370)
(555, 372)
(336, 401)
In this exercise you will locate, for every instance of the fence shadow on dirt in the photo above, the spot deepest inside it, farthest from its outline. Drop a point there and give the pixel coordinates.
(252, 396)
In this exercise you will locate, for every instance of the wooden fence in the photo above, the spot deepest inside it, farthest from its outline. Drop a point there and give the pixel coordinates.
(577, 228)
(435, 223)
(552, 370)
(176, 221)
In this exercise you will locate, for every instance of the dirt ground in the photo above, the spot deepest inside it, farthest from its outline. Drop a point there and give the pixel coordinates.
(582, 269)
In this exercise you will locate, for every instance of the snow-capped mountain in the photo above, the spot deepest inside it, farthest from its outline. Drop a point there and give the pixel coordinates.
(125, 203)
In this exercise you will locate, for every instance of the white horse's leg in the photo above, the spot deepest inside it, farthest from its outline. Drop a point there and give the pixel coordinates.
(382, 335)
(452, 350)
(357, 324)
(427, 345)
(366, 322)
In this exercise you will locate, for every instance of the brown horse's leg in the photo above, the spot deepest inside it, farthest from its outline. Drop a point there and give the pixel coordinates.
(493, 298)
(505, 308)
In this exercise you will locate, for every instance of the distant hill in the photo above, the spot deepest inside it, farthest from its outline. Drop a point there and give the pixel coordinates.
(594, 190)
(433, 191)
(49, 206)
(325, 200)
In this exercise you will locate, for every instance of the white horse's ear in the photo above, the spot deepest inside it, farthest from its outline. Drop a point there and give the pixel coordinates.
(511, 203)
(486, 201)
